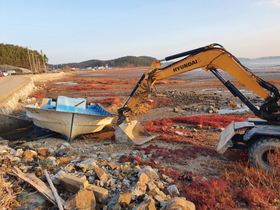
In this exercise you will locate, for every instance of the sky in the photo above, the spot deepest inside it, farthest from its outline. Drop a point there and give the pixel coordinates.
(80, 30)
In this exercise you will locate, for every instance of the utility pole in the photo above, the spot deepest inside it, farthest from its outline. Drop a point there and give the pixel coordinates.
(33, 61)
(43, 59)
(37, 64)
(30, 63)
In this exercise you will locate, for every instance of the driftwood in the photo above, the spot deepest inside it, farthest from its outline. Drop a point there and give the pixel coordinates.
(57, 198)
(38, 184)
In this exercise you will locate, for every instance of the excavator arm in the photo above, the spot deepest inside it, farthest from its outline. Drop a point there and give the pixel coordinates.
(209, 58)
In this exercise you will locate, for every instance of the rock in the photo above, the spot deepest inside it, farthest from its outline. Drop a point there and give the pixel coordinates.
(157, 194)
(126, 183)
(87, 164)
(151, 174)
(159, 184)
(89, 173)
(167, 179)
(42, 151)
(76, 152)
(29, 154)
(91, 179)
(63, 160)
(56, 177)
(36, 198)
(125, 198)
(177, 110)
(69, 167)
(19, 153)
(112, 165)
(144, 178)
(100, 193)
(72, 183)
(151, 185)
(136, 168)
(110, 183)
(160, 198)
(173, 190)
(100, 173)
(178, 203)
(113, 156)
(83, 200)
(14, 159)
(139, 189)
(3, 151)
(63, 149)
(51, 161)
(147, 204)
(126, 169)
(102, 182)
(113, 201)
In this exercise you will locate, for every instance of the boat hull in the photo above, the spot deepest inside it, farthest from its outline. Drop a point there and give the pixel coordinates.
(68, 124)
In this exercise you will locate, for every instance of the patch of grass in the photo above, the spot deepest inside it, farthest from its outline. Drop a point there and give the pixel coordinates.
(109, 101)
(214, 121)
(39, 94)
(214, 193)
(45, 163)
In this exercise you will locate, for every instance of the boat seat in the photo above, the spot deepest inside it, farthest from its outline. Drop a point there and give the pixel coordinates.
(66, 104)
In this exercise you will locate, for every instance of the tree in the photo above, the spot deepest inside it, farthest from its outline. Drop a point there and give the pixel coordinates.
(22, 57)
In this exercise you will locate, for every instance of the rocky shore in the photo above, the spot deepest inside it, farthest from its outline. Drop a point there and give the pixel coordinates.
(85, 178)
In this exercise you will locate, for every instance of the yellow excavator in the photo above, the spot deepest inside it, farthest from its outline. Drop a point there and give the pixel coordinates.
(261, 135)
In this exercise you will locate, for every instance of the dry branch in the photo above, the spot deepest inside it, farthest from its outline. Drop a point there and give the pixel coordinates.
(38, 184)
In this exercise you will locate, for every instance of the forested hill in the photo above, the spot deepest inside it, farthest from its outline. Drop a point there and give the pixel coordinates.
(21, 56)
(24, 57)
(127, 61)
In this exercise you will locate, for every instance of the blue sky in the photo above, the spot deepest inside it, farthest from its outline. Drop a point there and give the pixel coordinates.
(80, 30)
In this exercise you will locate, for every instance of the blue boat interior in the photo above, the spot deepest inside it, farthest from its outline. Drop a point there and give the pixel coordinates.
(74, 105)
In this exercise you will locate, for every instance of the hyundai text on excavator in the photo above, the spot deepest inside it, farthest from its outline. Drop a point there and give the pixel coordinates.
(260, 136)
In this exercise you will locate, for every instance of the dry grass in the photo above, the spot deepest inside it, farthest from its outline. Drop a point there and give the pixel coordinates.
(256, 187)
(7, 196)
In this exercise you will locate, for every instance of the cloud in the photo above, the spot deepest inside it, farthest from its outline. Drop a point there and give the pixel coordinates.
(273, 3)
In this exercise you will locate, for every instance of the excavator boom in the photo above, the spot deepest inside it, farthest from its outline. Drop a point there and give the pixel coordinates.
(209, 58)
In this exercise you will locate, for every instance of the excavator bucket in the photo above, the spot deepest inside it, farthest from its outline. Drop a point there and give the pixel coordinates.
(132, 132)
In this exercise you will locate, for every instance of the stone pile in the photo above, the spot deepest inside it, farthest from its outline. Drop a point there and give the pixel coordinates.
(95, 180)
(210, 102)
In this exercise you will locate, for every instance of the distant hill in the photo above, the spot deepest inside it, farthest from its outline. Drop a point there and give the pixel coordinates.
(127, 61)
(268, 59)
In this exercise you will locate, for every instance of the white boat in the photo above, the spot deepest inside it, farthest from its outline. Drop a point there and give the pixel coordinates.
(69, 116)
